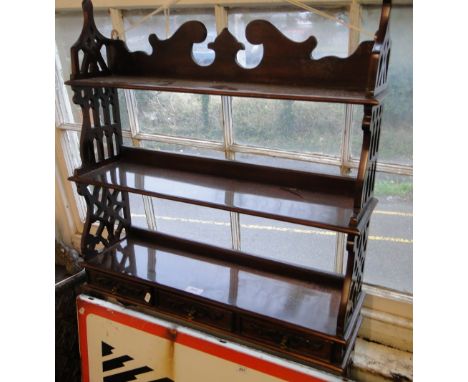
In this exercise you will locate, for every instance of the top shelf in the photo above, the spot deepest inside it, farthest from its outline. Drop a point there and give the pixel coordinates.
(287, 69)
(271, 91)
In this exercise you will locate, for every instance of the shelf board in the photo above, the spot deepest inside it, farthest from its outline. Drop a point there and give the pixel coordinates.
(294, 296)
(236, 89)
(316, 200)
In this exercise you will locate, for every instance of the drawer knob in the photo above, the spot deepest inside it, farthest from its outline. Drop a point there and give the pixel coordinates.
(191, 314)
(284, 342)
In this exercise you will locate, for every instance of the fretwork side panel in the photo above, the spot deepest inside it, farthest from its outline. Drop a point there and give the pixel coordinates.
(380, 58)
(101, 133)
(107, 218)
(356, 246)
(368, 163)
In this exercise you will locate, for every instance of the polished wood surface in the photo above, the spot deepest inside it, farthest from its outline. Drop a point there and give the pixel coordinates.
(308, 304)
(238, 89)
(316, 200)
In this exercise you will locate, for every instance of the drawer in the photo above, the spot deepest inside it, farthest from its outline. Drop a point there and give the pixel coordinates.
(195, 311)
(285, 339)
(137, 292)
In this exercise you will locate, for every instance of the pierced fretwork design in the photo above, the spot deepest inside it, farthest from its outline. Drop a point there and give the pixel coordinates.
(380, 57)
(384, 60)
(356, 246)
(87, 56)
(110, 210)
(101, 134)
(368, 163)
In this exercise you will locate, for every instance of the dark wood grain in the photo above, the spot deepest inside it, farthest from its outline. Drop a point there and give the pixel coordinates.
(237, 89)
(317, 200)
(308, 303)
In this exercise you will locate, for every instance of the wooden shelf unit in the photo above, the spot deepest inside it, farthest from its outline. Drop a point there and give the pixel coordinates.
(304, 314)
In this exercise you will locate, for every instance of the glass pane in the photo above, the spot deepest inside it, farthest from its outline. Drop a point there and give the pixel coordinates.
(137, 38)
(288, 163)
(289, 125)
(179, 115)
(332, 37)
(389, 260)
(396, 143)
(137, 211)
(286, 242)
(124, 121)
(71, 150)
(181, 149)
(202, 224)
(67, 30)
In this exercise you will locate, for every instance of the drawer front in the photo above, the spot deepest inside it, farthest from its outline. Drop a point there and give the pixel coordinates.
(286, 339)
(137, 292)
(194, 311)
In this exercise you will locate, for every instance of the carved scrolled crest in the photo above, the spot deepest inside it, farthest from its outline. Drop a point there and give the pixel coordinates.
(89, 44)
(284, 62)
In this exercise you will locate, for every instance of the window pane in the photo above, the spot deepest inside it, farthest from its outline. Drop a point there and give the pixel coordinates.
(71, 151)
(137, 211)
(389, 260)
(124, 121)
(179, 114)
(288, 163)
(202, 224)
(396, 143)
(67, 30)
(289, 125)
(182, 149)
(290, 243)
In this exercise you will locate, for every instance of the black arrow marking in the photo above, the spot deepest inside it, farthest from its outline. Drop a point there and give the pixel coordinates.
(127, 375)
(115, 363)
(106, 349)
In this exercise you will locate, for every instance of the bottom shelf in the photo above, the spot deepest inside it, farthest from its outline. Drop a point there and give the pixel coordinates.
(282, 307)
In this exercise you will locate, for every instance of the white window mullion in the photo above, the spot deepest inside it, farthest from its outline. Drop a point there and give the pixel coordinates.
(63, 110)
(226, 111)
(118, 26)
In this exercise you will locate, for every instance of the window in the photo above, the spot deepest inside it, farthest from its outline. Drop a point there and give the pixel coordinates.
(299, 135)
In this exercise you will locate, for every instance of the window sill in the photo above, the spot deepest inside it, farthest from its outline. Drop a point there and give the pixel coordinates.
(374, 362)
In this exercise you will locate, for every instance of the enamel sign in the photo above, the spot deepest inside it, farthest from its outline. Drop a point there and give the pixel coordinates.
(118, 344)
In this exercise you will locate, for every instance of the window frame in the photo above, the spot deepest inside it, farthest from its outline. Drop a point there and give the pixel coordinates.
(392, 304)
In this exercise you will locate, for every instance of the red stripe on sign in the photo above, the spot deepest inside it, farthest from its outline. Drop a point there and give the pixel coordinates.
(86, 308)
(83, 338)
(243, 359)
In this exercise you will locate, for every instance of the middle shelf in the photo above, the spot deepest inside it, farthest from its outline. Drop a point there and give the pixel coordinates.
(318, 200)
